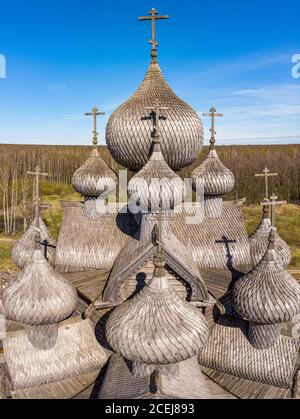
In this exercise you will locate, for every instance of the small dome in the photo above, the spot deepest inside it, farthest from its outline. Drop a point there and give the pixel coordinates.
(94, 178)
(39, 295)
(156, 186)
(24, 248)
(267, 295)
(216, 179)
(259, 242)
(157, 327)
(128, 135)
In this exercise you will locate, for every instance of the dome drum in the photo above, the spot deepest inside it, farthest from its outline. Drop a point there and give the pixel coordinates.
(143, 370)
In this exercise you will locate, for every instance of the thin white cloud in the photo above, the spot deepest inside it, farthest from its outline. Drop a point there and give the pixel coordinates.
(282, 92)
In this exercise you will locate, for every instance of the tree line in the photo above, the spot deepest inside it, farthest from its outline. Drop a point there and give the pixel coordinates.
(246, 161)
(60, 162)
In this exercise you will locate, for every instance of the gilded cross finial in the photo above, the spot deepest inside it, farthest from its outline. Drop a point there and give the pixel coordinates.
(95, 112)
(153, 16)
(156, 116)
(266, 174)
(213, 115)
(37, 200)
(273, 203)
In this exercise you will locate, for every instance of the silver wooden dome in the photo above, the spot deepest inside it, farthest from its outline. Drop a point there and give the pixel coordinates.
(128, 135)
(267, 297)
(268, 294)
(94, 178)
(157, 327)
(216, 179)
(259, 241)
(24, 248)
(39, 295)
(156, 186)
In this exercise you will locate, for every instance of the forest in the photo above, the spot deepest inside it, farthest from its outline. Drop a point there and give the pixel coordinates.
(60, 162)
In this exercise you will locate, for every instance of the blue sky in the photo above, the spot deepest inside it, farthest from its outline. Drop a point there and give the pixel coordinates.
(63, 57)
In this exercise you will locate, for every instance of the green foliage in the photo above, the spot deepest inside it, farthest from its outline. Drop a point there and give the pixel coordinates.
(288, 225)
(5, 257)
(244, 161)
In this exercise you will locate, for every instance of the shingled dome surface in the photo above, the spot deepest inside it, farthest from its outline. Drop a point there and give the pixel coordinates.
(39, 295)
(94, 178)
(267, 295)
(259, 242)
(216, 179)
(128, 136)
(24, 248)
(156, 186)
(157, 327)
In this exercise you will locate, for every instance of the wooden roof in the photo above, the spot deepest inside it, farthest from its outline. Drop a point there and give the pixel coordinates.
(220, 384)
(229, 351)
(86, 244)
(205, 240)
(137, 252)
(190, 383)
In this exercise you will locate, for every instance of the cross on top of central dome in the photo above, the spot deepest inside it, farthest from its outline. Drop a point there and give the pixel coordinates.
(153, 17)
(128, 137)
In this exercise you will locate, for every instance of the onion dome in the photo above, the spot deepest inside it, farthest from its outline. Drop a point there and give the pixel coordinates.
(214, 179)
(94, 178)
(267, 297)
(260, 239)
(157, 327)
(39, 295)
(24, 248)
(156, 187)
(128, 135)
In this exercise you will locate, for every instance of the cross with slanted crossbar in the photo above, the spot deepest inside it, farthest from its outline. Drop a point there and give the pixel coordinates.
(37, 200)
(95, 112)
(225, 240)
(153, 17)
(156, 116)
(266, 174)
(47, 245)
(273, 203)
(213, 115)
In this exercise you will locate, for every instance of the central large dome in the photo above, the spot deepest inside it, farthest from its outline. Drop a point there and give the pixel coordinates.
(128, 134)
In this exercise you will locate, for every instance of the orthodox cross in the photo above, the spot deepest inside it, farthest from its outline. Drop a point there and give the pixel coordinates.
(95, 112)
(153, 17)
(213, 115)
(157, 232)
(156, 116)
(37, 200)
(47, 245)
(227, 243)
(266, 174)
(273, 203)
